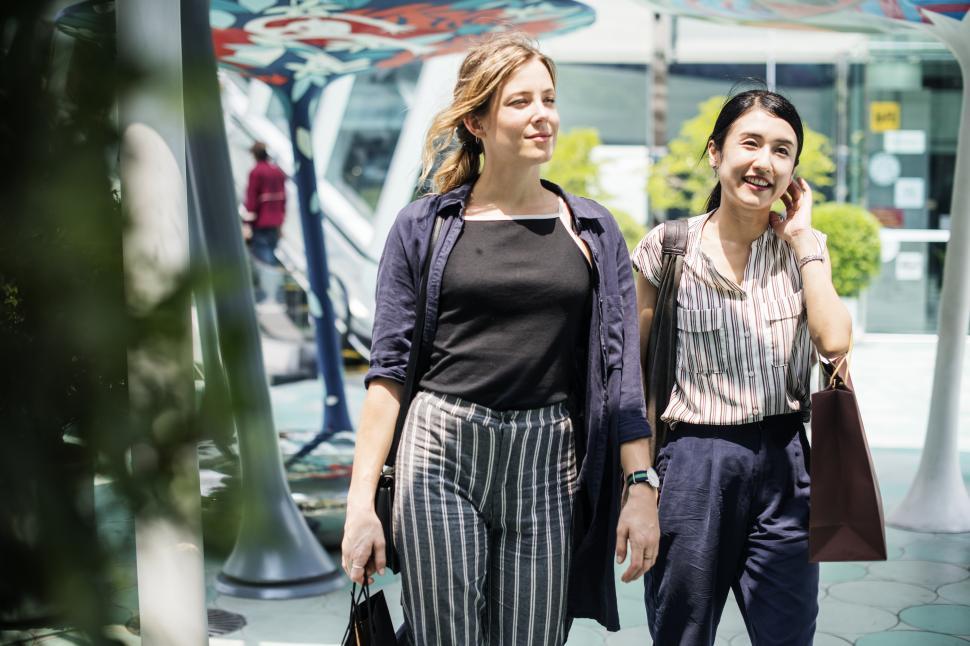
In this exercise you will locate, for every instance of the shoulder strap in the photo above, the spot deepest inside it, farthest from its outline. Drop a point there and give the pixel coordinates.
(660, 362)
(675, 238)
(416, 353)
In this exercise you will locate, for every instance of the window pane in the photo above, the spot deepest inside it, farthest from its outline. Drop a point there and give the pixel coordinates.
(369, 133)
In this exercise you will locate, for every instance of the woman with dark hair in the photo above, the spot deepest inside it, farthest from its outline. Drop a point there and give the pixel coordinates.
(755, 304)
(507, 512)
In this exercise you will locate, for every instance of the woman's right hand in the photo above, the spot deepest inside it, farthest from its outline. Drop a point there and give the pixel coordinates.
(362, 550)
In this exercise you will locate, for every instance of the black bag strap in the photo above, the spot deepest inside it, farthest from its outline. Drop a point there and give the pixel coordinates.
(417, 351)
(660, 362)
(356, 621)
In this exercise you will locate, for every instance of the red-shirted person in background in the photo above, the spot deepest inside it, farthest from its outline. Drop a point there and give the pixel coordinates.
(265, 205)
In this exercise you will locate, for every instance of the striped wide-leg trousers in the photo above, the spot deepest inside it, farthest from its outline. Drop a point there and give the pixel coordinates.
(482, 522)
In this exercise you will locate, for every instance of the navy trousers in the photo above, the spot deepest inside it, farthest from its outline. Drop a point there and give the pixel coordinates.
(734, 516)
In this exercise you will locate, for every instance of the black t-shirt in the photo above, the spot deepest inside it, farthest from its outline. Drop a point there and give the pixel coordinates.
(514, 300)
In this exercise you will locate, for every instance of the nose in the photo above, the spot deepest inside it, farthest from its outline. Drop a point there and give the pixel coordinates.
(762, 159)
(541, 112)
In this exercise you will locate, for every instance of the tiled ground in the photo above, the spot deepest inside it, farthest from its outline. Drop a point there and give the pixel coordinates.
(920, 596)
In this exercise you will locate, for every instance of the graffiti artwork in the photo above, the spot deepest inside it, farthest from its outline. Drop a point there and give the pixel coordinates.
(848, 15)
(310, 41)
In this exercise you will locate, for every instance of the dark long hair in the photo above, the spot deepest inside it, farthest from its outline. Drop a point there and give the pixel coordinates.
(738, 105)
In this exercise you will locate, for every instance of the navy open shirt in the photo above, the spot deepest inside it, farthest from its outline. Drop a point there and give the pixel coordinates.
(614, 410)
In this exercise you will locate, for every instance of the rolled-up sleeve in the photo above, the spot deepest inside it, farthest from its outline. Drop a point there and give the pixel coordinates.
(394, 312)
(632, 421)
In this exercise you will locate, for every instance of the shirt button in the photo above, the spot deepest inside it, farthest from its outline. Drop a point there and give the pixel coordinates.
(746, 334)
(756, 411)
(751, 374)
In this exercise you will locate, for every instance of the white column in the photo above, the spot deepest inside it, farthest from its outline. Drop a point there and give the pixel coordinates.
(171, 582)
(938, 500)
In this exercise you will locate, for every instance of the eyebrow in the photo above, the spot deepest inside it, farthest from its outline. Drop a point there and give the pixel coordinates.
(788, 142)
(526, 92)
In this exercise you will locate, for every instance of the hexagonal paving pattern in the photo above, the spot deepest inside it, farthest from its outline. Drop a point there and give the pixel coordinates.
(947, 619)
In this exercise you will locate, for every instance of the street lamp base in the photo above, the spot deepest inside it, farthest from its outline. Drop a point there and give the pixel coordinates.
(938, 509)
(278, 590)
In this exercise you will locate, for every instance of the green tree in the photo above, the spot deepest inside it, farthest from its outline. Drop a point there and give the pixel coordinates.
(682, 179)
(853, 243)
(573, 168)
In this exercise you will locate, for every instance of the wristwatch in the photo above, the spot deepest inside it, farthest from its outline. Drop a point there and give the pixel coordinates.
(647, 477)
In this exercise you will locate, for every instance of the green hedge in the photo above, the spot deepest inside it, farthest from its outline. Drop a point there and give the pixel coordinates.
(853, 242)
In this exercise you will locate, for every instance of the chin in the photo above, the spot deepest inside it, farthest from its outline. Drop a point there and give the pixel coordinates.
(536, 157)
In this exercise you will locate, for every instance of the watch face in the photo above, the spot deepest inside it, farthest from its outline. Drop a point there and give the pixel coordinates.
(653, 479)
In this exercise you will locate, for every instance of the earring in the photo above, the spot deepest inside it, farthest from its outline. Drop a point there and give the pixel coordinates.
(714, 168)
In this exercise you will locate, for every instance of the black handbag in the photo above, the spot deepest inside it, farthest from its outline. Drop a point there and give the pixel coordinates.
(384, 497)
(370, 620)
(660, 363)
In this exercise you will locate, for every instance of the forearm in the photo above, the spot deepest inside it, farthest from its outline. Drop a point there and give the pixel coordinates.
(829, 323)
(374, 435)
(635, 455)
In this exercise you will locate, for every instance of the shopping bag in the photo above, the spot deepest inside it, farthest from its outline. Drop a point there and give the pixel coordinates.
(846, 518)
(370, 621)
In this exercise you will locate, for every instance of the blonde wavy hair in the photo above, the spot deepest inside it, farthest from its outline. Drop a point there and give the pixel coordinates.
(483, 72)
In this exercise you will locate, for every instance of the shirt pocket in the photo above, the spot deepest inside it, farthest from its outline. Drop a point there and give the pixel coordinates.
(702, 343)
(783, 317)
(613, 331)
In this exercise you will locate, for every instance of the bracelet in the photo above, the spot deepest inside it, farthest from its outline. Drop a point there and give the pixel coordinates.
(812, 258)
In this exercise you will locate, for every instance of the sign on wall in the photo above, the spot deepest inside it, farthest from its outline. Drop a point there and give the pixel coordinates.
(884, 115)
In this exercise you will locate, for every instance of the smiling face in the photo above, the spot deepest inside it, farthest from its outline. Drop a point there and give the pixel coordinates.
(756, 163)
(521, 122)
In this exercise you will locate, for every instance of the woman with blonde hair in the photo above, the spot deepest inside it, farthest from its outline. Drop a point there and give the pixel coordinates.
(507, 513)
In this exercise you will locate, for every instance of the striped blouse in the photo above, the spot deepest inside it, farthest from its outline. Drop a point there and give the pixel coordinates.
(743, 352)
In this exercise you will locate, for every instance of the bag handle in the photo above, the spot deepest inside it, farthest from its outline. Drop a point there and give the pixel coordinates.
(844, 360)
(354, 621)
(415, 355)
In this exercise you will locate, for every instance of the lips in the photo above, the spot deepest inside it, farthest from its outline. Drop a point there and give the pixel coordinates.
(541, 136)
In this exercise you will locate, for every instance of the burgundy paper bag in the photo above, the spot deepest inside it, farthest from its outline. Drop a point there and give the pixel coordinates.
(846, 519)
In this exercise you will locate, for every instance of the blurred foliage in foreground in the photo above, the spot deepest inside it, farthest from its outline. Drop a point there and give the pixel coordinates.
(66, 334)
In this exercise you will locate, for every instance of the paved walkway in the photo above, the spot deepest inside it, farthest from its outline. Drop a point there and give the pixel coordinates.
(920, 596)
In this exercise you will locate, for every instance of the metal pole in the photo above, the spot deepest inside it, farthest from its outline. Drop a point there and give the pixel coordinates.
(171, 582)
(841, 127)
(275, 556)
(937, 500)
(335, 415)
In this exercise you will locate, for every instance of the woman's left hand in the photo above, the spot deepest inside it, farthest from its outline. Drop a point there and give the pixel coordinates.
(640, 527)
(798, 211)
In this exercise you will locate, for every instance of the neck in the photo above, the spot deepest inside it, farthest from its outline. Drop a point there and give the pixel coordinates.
(740, 225)
(511, 188)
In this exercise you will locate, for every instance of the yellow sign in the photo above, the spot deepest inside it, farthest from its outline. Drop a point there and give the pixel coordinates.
(884, 115)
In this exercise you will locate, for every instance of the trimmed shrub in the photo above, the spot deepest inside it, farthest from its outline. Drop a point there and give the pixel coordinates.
(853, 242)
